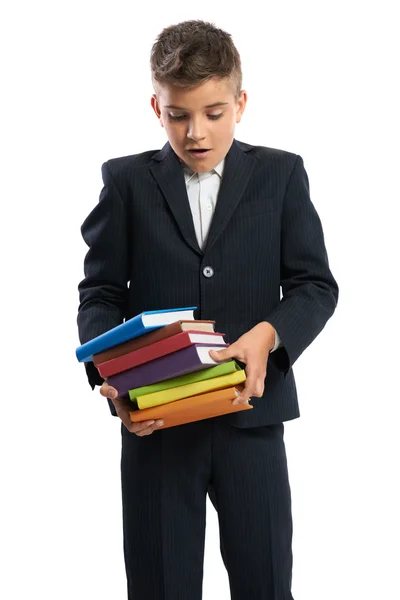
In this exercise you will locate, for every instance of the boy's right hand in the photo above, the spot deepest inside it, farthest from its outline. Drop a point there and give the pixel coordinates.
(123, 407)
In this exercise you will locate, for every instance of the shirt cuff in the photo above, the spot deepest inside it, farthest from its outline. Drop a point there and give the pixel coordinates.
(278, 342)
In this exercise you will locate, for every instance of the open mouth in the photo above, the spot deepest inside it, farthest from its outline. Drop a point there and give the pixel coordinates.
(199, 153)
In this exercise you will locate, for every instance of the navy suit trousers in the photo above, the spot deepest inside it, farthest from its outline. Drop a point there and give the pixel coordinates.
(165, 481)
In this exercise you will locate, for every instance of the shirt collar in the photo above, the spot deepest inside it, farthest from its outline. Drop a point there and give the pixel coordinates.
(189, 173)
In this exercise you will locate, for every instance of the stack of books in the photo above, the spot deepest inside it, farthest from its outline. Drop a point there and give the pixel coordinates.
(160, 361)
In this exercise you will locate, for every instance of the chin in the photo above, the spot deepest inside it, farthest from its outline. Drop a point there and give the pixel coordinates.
(202, 168)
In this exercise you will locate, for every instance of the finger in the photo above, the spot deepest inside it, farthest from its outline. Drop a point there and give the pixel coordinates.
(256, 390)
(238, 399)
(248, 389)
(242, 399)
(108, 392)
(224, 354)
(123, 408)
(136, 427)
(104, 389)
(146, 427)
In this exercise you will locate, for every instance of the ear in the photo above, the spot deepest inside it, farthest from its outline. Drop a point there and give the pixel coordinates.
(241, 105)
(156, 108)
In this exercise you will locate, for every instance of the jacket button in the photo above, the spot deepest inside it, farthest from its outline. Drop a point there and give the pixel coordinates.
(208, 272)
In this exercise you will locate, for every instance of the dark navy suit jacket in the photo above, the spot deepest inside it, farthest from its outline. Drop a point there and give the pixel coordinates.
(265, 237)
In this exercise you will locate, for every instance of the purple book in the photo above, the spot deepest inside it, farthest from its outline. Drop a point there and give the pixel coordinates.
(188, 360)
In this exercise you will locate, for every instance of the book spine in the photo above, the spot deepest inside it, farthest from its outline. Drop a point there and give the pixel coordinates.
(143, 355)
(192, 389)
(209, 373)
(136, 344)
(176, 364)
(113, 337)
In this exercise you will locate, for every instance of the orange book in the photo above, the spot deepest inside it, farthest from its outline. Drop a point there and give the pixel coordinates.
(194, 408)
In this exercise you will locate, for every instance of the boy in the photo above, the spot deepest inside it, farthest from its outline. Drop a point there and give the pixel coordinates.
(222, 225)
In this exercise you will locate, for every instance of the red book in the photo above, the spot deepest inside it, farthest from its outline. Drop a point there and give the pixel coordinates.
(153, 336)
(159, 349)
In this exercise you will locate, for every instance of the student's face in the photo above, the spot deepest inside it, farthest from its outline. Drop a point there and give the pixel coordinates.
(203, 117)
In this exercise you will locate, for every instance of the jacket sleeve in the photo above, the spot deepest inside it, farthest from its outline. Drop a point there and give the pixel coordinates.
(309, 290)
(104, 289)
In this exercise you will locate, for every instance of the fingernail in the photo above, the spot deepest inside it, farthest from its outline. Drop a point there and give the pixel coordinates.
(235, 402)
(237, 393)
(159, 423)
(149, 423)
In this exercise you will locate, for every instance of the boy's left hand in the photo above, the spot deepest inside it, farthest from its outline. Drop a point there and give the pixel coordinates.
(253, 349)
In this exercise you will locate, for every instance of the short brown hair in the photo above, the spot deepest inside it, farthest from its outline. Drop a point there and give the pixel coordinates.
(192, 52)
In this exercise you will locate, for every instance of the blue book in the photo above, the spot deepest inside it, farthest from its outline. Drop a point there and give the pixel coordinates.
(133, 328)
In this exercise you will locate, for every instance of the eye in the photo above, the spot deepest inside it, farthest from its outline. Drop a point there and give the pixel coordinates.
(177, 118)
(183, 117)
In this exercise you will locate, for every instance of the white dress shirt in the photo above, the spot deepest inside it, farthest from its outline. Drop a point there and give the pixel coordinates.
(202, 190)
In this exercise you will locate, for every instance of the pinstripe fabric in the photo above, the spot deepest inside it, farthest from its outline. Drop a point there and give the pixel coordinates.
(265, 234)
(165, 480)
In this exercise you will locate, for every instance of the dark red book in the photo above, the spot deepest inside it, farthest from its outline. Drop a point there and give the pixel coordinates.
(159, 349)
(152, 337)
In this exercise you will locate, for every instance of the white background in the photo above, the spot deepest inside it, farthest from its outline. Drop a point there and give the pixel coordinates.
(76, 91)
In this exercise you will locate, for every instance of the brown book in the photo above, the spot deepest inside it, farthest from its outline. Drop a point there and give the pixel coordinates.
(194, 408)
(153, 336)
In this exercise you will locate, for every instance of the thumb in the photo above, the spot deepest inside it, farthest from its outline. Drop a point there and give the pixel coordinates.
(223, 354)
(112, 393)
(108, 391)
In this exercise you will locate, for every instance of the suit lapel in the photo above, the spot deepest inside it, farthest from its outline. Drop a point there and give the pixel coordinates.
(238, 169)
(169, 175)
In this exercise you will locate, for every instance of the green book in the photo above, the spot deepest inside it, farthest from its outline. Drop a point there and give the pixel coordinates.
(224, 368)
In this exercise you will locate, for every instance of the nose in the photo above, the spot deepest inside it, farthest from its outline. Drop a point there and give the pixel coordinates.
(196, 130)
